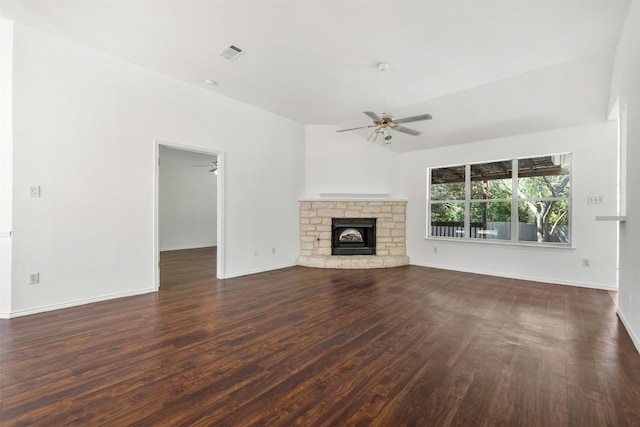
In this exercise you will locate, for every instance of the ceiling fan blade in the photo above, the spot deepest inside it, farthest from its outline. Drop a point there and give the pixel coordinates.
(361, 127)
(213, 164)
(414, 118)
(373, 115)
(407, 130)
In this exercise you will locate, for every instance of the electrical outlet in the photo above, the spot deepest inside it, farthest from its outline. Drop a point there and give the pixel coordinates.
(34, 278)
(34, 191)
(435, 249)
(255, 252)
(273, 251)
(586, 262)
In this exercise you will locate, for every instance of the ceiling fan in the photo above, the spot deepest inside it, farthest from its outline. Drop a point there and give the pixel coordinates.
(213, 166)
(384, 123)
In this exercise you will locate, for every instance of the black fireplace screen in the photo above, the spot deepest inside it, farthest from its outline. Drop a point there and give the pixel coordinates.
(353, 236)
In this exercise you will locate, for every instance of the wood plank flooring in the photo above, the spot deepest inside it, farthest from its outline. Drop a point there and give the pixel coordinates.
(408, 346)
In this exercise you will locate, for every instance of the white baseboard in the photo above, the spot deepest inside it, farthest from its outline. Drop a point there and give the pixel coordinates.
(627, 326)
(74, 303)
(258, 270)
(522, 277)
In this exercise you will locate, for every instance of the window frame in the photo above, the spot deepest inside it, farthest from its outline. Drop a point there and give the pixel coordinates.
(515, 200)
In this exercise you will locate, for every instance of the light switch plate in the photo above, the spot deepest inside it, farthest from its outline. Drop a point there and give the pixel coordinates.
(595, 200)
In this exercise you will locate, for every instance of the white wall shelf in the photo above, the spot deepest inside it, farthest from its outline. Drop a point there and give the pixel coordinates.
(611, 218)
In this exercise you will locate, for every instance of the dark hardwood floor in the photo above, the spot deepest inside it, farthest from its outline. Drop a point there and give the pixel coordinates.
(407, 346)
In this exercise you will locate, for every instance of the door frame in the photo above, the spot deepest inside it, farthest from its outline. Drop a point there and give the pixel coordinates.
(220, 198)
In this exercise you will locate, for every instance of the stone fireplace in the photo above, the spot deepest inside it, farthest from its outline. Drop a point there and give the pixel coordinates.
(352, 233)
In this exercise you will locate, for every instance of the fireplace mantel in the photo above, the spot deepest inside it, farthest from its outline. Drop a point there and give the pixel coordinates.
(337, 197)
(315, 232)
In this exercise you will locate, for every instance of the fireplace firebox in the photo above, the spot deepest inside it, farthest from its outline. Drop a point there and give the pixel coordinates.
(353, 236)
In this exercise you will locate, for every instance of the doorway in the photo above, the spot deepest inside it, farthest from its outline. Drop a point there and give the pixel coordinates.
(189, 206)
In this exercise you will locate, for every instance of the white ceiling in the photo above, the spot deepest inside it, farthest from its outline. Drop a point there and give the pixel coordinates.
(482, 69)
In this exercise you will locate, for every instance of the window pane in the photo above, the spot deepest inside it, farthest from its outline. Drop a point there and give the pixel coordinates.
(546, 176)
(491, 180)
(490, 220)
(544, 221)
(447, 183)
(447, 220)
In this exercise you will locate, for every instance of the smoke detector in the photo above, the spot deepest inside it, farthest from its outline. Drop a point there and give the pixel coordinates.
(231, 52)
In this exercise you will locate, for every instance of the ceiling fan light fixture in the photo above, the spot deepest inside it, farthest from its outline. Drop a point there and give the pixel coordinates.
(387, 136)
(373, 136)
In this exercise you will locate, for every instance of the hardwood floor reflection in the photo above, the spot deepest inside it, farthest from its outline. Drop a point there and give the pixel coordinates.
(407, 346)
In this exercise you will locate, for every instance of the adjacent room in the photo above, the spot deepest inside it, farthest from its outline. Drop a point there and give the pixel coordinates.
(187, 213)
(319, 213)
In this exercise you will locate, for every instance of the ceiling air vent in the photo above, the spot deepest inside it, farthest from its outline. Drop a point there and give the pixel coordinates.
(231, 52)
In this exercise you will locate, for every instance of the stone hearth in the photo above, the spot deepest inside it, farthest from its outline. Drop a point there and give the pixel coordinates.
(315, 233)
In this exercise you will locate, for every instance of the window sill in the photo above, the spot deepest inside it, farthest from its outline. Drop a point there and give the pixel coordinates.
(518, 245)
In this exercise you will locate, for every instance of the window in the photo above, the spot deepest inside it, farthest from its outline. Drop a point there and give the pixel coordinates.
(525, 200)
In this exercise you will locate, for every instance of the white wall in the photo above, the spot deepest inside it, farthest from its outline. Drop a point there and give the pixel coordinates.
(343, 162)
(84, 129)
(626, 90)
(6, 167)
(594, 172)
(186, 200)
